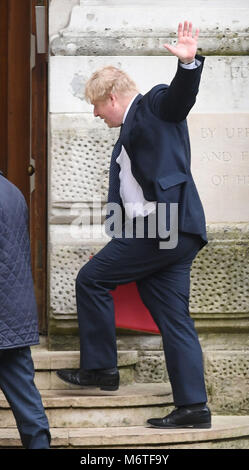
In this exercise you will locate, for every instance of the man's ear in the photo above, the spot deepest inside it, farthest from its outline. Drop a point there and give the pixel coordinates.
(113, 99)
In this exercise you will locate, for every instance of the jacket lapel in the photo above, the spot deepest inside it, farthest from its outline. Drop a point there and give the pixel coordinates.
(128, 121)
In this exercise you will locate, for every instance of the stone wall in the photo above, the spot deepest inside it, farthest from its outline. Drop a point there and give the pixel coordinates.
(84, 35)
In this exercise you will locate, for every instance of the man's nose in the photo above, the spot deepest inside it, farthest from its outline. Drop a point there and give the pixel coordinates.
(95, 112)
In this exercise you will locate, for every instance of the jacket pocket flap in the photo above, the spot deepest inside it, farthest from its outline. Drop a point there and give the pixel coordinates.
(168, 181)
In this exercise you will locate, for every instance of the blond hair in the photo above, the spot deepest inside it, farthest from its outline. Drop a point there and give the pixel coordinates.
(108, 80)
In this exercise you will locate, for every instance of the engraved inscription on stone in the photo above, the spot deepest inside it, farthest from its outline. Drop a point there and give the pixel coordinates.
(220, 164)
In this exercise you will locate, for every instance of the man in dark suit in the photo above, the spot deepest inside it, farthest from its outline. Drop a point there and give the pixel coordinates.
(150, 168)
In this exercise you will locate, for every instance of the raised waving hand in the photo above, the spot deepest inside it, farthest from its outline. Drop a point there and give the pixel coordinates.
(186, 46)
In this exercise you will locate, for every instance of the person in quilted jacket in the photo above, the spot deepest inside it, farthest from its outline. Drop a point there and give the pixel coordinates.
(18, 320)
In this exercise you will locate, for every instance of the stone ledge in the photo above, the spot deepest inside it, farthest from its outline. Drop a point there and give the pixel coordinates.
(138, 28)
(52, 360)
(126, 396)
(47, 362)
(131, 405)
(226, 432)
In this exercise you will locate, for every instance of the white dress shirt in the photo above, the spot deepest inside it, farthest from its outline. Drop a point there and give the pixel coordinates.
(130, 191)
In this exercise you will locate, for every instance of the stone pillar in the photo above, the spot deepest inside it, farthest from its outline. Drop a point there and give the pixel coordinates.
(130, 34)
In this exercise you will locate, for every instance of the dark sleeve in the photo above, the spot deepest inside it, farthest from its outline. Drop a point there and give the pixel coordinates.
(173, 103)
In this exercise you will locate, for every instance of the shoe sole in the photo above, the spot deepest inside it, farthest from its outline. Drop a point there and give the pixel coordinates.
(109, 388)
(184, 426)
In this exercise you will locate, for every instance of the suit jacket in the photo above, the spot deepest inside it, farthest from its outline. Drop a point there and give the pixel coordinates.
(155, 137)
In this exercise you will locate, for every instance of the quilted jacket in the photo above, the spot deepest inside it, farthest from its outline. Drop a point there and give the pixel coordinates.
(18, 310)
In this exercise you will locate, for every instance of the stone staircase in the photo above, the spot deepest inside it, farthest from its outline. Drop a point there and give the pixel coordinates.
(91, 418)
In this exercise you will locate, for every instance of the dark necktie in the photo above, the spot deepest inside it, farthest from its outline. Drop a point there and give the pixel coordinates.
(114, 182)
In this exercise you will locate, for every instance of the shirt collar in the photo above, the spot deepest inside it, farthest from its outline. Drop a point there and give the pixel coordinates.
(128, 107)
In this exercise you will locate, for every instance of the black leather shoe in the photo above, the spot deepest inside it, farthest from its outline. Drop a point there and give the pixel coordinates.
(105, 379)
(184, 417)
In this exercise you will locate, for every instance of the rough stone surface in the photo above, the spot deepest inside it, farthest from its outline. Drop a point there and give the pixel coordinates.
(226, 433)
(47, 362)
(81, 150)
(151, 367)
(226, 371)
(142, 27)
(213, 288)
(227, 380)
(131, 405)
(80, 156)
(223, 87)
(60, 13)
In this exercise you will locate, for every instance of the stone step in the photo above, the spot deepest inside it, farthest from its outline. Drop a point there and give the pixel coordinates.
(131, 405)
(227, 432)
(47, 362)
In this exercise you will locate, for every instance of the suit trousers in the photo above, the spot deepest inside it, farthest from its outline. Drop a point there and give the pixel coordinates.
(17, 384)
(163, 281)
